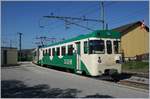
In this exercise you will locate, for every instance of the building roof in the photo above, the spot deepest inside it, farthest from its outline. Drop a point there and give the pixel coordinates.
(8, 48)
(128, 27)
(97, 33)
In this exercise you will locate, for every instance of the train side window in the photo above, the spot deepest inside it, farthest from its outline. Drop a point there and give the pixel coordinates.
(85, 47)
(49, 52)
(63, 50)
(53, 51)
(109, 47)
(35, 53)
(46, 51)
(58, 51)
(70, 49)
(43, 52)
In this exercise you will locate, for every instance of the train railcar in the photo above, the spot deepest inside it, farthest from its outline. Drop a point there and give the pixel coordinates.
(92, 54)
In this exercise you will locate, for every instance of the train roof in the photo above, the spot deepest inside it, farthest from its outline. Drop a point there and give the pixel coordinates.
(97, 34)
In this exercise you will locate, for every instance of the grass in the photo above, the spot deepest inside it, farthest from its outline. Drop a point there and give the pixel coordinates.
(136, 66)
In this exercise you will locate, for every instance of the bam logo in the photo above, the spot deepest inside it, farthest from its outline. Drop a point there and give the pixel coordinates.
(68, 61)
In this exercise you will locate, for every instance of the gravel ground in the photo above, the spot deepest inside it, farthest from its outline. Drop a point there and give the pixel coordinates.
(31, 81)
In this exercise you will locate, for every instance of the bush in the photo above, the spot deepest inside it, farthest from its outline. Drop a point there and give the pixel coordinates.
(135, 65)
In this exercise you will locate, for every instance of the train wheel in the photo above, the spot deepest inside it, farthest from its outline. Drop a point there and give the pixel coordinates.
(84, 73)
(68, 70)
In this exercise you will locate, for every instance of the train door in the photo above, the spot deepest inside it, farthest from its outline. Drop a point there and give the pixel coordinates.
(78, 58)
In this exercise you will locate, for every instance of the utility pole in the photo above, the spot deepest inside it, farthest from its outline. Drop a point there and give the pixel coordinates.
(102, 15)
(20, 34)
(106, 26)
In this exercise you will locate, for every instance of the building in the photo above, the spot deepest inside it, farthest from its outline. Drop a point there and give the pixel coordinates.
(134, 40)
(8, 56)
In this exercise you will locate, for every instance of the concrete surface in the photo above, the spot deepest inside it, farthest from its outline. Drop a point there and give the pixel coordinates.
(32, 81)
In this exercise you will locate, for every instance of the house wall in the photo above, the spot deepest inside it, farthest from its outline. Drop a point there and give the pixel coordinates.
(11, 56)
(135, 42)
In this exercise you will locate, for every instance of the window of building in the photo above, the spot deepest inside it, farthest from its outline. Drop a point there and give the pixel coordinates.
(49, 52)
(85, 47)
(70, 49)
(96, 47)
(63, 50)
(109, 47)
(58, 51)
(53, 51)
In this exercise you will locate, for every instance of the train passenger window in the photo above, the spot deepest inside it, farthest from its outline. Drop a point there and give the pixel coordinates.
(85, 47)
(58, 51)
(46, 51)
(43, 52)
(63, 50)
(109, 47)
(116, 47)
(53, 51)
(49, 52)
(96, 47)
(35, 53)
(70, 49)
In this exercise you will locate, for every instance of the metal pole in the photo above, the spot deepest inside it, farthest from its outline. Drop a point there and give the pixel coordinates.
(102, 15)
(20, 34)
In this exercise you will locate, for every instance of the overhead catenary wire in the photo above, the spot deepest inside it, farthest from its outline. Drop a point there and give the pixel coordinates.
(77, 13)
(116, 21)
(129, 15)
(87, 12)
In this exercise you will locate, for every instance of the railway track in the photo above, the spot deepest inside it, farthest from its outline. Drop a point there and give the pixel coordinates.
(128, 79)
(134, 84)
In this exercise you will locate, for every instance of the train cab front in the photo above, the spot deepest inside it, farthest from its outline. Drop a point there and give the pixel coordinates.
(105, 57)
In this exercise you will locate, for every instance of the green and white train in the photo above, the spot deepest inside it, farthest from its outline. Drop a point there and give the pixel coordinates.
(92, 54)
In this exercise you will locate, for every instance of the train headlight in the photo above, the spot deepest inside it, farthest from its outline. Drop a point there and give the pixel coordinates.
(99, 60)
(118, 59)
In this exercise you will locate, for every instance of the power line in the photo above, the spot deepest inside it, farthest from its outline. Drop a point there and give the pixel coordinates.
(87, 11)
(77, 13)
(43, 40)
(64, 18)
(126, 16)
(72, 18)
(80, 26)
(129, 15)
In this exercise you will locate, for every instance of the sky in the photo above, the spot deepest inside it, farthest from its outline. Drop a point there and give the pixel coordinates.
(27, 17)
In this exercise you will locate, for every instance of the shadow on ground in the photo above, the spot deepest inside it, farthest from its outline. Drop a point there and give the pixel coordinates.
(121, 76)
(17, 89)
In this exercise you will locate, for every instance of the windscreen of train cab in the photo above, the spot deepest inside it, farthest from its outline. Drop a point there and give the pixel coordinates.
(116, 47)
(96, 47)
(109, 47)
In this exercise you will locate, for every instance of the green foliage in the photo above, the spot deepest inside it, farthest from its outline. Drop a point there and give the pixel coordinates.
(25, 58)
(136, 66)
